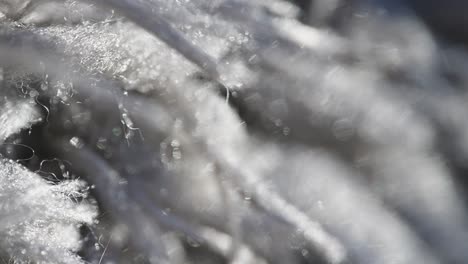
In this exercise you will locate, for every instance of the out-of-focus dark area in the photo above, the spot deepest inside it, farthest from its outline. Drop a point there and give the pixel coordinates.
(233, 131)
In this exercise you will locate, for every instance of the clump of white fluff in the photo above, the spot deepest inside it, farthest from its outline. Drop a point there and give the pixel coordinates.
(40, 221)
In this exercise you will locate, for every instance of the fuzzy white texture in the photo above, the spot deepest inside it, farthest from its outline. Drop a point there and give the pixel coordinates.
(40, 221)
(339, 150)
(15, 116)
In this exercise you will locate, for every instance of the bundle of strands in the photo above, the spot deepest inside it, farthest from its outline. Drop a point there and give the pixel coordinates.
(233, 131)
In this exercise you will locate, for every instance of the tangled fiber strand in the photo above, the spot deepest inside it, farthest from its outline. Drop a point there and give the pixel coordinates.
(235, 131)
